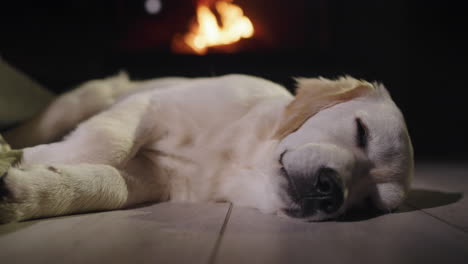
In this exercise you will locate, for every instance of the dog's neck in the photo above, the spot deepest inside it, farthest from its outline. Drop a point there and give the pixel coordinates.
(252, 178)
(237, 162)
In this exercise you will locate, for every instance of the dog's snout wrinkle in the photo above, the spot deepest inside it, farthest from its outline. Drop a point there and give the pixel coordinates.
(292, 188)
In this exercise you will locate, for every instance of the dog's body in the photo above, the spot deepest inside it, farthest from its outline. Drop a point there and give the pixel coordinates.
(233, 138)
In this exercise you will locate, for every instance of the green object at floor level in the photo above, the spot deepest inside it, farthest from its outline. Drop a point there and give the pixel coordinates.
(8, 156)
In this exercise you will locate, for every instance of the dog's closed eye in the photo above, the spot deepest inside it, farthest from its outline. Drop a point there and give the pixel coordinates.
(281, 158)
(362, 134)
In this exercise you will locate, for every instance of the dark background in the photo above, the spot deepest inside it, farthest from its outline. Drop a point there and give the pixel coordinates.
(416, 48)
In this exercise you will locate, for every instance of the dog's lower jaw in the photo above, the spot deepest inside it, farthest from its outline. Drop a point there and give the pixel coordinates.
(257, 192)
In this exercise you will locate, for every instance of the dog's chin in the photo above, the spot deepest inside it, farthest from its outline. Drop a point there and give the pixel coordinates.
(296, 213)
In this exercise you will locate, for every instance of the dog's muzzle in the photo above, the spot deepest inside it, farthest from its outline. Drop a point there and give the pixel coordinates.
(318, 193)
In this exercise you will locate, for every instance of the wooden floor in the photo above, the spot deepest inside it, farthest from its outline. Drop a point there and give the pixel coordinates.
(432, 227)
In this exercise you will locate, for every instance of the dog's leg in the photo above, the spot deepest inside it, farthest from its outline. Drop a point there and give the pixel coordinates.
(37, 191)
(51, 190)
(85, 172)
(68, 110)
(110, 137)
(73, 107)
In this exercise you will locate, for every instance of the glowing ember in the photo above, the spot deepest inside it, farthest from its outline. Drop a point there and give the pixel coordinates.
(207, 33)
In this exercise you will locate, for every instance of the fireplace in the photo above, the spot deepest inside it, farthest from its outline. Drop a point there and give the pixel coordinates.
(248, 26)
(89, 39)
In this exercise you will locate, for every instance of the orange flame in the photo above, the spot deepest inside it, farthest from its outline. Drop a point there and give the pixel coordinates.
(207, 33)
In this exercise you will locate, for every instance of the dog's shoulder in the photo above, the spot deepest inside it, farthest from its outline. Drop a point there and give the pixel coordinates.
(234, 86)
(254, 86)
(226, 97)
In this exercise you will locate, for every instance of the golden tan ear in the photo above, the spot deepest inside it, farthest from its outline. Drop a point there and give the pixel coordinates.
(316, 94)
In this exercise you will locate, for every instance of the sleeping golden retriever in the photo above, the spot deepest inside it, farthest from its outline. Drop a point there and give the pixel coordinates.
(232, 138)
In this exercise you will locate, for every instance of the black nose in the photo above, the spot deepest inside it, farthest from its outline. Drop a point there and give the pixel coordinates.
(325, 195)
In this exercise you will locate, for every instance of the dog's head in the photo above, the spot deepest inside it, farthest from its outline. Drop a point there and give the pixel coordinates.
(342, 142)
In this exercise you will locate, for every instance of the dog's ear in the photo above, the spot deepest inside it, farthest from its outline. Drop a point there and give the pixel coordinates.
(389, 196)
(316, 94)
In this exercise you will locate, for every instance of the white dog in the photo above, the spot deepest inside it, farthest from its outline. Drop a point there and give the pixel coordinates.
(232, 138)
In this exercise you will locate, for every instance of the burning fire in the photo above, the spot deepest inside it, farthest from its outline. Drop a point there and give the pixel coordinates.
(206, 32)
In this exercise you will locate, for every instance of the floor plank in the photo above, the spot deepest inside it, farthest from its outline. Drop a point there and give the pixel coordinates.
(441, 190)
(190, 233)
(161, 233)
(402, 237)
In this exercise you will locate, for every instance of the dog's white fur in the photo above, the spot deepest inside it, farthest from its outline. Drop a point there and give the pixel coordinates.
(205, 139)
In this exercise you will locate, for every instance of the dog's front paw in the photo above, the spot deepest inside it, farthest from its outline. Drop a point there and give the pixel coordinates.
(8, 201)
(19, 199)
(9, 211)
